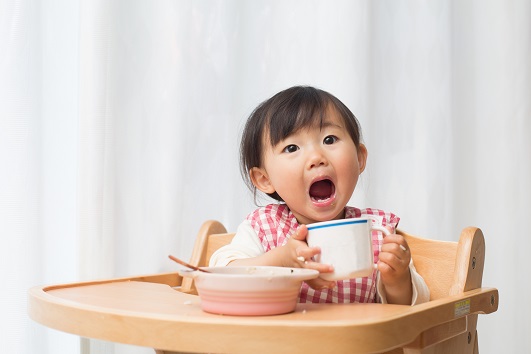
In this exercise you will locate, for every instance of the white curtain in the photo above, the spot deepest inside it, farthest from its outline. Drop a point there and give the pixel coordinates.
(120, 120)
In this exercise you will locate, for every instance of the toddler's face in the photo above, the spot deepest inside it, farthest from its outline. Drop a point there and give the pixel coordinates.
(314, 170)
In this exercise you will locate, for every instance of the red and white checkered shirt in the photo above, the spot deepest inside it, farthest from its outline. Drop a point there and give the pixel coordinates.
(275, 223)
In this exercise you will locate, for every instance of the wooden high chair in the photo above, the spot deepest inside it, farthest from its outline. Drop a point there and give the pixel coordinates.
(162, 311)
(449, 269)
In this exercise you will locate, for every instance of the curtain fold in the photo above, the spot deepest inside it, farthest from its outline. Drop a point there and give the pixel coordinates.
(20, 190)
(96, 177)
(120, 124)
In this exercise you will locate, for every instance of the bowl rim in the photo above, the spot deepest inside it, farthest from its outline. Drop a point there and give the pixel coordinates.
(296, 273)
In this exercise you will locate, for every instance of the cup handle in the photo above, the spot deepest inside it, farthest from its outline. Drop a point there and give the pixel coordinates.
(384, 231)
(381, 228)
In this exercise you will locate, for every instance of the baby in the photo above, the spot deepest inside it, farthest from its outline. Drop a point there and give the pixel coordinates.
(302, 147)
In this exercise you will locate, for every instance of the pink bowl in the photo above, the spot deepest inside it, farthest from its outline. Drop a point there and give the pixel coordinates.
(249, 291)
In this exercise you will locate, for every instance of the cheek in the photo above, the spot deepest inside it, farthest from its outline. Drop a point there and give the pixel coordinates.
(348, 171)
(287, 178)
(283, 180)
(279, 174)
(349, 164)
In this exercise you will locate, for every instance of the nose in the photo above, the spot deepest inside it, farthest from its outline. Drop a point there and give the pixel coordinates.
(316, 158)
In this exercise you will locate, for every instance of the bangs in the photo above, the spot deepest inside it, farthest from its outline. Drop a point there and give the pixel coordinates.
(301, 109)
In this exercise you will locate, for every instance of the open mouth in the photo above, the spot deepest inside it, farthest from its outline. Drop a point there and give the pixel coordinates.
(322, 190)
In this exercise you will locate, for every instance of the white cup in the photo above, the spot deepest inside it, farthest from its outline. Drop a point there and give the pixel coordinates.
(346, 244)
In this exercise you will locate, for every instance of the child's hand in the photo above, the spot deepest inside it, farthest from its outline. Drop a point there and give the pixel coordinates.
(301, 257)
(394, 269)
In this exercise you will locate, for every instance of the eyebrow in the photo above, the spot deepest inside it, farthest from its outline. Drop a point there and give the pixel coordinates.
(327, 123)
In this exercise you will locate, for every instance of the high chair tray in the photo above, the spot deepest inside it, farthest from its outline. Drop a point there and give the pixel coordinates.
(150, 311)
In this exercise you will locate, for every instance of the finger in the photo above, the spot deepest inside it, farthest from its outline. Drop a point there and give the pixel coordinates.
(392, 251)
(392, 261)
(305, 253)
(301, 233)
(388, 273)
(395, 249)
(320, 267)
(383, 267)
(321, 284)
(399, 240)
(386, 262)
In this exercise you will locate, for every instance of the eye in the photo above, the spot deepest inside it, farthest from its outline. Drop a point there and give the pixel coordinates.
(290, 148)
(330, 139)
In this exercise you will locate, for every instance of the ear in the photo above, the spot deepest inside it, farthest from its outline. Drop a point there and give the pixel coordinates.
(362, 157)
(261, 180)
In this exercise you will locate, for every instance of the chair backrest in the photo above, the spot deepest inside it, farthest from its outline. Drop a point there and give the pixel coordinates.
(216, 241)
(447, 267)
(211, 236)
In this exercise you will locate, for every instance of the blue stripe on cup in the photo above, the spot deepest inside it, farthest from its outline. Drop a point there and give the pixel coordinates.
(339, 223)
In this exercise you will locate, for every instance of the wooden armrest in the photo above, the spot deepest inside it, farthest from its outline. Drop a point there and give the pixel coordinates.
(465, 306)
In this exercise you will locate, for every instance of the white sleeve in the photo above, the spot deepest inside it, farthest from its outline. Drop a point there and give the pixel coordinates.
(245, 244)
(421, 293)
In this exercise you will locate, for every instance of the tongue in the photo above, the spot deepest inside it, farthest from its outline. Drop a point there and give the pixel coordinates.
(321, 189)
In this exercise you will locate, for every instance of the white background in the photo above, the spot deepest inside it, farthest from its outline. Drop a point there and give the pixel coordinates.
(120, 125)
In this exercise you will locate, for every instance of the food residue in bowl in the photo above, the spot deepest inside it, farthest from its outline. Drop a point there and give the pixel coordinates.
(251, 270)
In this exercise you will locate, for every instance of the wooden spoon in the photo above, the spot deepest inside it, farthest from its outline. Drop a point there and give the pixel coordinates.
(188, 265)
